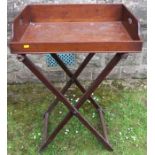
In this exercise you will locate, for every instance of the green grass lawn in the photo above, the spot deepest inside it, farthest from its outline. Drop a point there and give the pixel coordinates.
(125, 114)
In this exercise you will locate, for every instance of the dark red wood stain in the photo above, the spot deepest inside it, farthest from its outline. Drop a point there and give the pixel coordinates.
(75, 27)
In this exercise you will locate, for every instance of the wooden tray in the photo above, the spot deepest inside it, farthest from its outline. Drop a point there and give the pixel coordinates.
(75, 27)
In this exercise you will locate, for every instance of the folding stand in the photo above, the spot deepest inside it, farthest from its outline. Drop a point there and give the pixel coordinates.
(73, 110)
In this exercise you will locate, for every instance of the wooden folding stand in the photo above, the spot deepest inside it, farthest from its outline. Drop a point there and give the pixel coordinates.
(81, 28)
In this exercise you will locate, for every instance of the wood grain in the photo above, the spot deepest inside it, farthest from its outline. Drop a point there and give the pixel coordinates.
(75, 27)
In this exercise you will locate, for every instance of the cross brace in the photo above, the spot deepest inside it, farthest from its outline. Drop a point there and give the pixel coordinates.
(73, 110)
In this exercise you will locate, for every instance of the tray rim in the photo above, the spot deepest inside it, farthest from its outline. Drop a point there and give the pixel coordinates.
(101, 47)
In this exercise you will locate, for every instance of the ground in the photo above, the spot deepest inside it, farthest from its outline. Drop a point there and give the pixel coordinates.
(124, 103)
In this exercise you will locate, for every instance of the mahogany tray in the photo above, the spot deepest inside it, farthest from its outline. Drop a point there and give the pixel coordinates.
(42, 28)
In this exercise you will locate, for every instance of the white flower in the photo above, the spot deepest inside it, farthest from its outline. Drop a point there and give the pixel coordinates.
(130, 129)
(39, 134)
(34, 137)
(67, 130)
(10, 147)
(133, 137)
(60, 112)
(94, 98)
(77, 100)
(93, 116)
(97, 99)
(127, 137)
(76, 131)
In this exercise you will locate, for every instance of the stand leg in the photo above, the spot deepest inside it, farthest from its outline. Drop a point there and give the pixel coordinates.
(103, 124)
(92, 88)
(45, 121)
(74, 110)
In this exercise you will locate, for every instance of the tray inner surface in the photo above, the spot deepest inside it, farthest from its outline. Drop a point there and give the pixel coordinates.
(75, 32)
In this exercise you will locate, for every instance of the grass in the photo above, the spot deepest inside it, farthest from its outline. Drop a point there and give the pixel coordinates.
(125, 109)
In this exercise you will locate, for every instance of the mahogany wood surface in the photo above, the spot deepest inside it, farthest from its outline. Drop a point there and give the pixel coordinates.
(44, 28)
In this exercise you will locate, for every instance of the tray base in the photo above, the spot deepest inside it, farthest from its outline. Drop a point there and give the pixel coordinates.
(76, 32)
